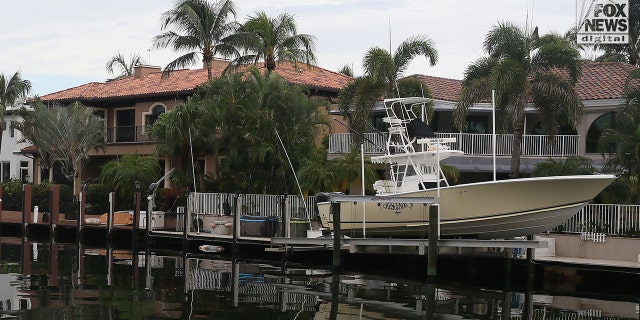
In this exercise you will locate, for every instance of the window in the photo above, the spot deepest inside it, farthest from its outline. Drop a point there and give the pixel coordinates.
(156, 111)
(476, 124)
(12, 129)
(605, 121)
(24, 171)
(5, 173)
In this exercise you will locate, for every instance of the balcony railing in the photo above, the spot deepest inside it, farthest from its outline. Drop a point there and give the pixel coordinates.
(125, 134)
(471, 144)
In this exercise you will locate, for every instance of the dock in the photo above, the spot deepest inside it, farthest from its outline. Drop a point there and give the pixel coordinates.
(281, 237)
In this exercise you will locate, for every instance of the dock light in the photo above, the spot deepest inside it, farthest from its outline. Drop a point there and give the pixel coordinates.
(137, 185)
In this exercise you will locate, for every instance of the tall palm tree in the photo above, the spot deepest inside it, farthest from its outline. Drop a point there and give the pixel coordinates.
(65, 134)
(524, 68)
(125, 67)
(202, 28)
(381, 72)
(11, 90)
(275, 39)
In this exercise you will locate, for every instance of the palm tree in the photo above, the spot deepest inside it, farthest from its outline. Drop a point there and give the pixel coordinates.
(11, 89)
(524, 68)
(349, 169)
(180, 132)
(275, 39)
(629, 52)
(201, 28)
(120, 174)
(254, 112)
(120, 63)
(64, 134)
(621, 144)
(382, 70)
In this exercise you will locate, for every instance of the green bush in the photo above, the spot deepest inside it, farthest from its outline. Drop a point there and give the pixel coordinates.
(12, 195)
(97, 199)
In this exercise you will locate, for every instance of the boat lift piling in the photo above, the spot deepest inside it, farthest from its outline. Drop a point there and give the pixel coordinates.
(336, 199)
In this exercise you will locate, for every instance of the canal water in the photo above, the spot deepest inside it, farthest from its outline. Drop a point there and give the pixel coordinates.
(41, 280)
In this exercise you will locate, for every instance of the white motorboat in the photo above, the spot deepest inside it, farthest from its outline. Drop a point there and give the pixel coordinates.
(483, 210)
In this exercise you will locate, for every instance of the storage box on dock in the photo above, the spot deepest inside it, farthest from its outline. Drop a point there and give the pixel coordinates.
(297, 228)
(254, 226)
(157, 220)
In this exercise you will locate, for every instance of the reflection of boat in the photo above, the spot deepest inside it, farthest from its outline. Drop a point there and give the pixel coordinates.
(493, 209)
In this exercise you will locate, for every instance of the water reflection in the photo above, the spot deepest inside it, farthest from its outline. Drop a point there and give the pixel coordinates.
(69, 281)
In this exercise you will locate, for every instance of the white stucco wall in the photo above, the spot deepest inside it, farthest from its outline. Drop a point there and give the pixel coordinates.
(11, 148)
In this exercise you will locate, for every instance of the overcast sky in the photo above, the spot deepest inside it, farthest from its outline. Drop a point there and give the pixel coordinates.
(64, 43)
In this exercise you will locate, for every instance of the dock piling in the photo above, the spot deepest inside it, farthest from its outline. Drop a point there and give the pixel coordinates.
(432, 254)
(335, 211)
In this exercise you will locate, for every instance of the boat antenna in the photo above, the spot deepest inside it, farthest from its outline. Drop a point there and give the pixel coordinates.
(306, 210)
(193, 172)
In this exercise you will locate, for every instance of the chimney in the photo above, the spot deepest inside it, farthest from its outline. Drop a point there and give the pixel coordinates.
(140, 71)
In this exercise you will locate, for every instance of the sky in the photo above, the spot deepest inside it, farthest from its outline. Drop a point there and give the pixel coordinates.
(65, 43)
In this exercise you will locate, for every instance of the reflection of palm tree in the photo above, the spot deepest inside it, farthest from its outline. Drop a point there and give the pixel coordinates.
(120, 63)
(522, 68)
(276, 39)
(206, 30)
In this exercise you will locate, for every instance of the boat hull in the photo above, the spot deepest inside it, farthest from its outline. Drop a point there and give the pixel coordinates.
(485, 210)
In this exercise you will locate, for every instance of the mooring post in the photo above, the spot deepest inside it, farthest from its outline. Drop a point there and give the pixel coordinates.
(81, 211)
(335, 212)
(54, 207)
(27, 217)
(110, 216)
(236, 224)
(432, 254)
(285, 217)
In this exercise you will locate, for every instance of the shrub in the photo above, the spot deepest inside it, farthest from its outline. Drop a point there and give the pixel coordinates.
(12, 195)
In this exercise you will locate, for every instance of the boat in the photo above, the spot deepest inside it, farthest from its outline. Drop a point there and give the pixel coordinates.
(498, 209)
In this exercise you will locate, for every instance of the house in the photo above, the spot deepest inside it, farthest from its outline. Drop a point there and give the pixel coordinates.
(130, 104)
(600, 87)
(13, 163)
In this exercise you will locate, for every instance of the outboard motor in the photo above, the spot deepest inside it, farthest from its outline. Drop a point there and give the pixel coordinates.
(321, 197)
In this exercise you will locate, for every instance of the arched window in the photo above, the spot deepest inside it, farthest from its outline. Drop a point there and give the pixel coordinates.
(156, 111)
(605, 121)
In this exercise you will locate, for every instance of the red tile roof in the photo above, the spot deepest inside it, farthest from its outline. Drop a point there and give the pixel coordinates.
(599, 80)
(441, 88)
(603, 80)
(185, 81)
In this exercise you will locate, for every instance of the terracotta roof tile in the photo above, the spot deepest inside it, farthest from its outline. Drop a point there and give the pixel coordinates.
(441, 88)
(599, 80)
(181, 81)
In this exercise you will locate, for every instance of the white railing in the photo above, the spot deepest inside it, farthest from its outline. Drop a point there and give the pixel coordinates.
(262, 205)
(471, 144)
(612, 219)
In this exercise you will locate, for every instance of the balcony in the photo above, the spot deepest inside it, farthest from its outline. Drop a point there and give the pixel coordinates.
(127, 134)
(472, 144)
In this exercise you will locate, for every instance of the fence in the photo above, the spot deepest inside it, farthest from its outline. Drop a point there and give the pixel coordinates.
(471, 144)
(612, 219)
(261, 205)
